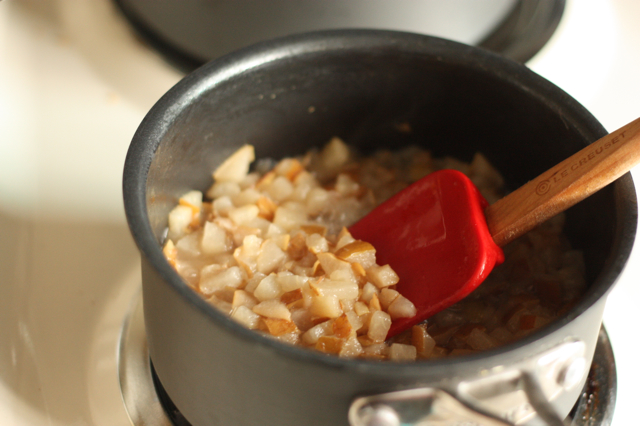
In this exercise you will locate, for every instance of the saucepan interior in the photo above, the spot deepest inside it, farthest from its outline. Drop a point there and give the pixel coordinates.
(367, 87)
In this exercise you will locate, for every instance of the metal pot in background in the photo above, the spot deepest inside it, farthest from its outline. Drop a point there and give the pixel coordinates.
(192, 32)
(288, 95)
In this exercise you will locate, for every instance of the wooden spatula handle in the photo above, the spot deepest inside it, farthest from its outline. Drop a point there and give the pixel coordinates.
(565, 184)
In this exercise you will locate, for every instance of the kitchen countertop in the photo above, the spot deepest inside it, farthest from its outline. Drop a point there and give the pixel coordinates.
(72, 93)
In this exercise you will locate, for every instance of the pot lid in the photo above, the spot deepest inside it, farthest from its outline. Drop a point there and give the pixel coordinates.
(191, 32)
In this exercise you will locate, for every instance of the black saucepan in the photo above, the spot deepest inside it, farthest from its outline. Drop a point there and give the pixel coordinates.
(288, 95)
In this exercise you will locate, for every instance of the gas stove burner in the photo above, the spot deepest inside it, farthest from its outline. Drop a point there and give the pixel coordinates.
(189, 33)
(148, 404)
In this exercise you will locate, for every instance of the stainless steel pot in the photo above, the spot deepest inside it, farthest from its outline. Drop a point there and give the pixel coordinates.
(288, 95)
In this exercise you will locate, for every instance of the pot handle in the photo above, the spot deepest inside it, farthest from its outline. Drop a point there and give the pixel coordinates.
(415, 407)
(432, 406)
(504, 398)
(539, 401)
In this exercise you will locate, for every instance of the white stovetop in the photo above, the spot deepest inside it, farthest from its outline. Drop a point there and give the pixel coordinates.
(74, 85)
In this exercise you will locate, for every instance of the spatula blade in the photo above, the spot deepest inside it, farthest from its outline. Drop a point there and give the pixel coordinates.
(435, 236)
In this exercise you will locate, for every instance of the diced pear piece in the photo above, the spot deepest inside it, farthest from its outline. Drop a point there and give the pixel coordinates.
(317, 200)
(316, 243)
(312, 335)
(246, 317)
(215, 239)
(271, 257)
(400, 352)
(479, 340)
(223, 189)
(358, 251)
(422, 341)
(379, 326)
(342, 327)
(360, 308)
(351, 348)
(344, 238)
(280, 189)
(329, 344)
(334, 154)
(382, 276)
(387, 296)
(170, 252)
(346, 186)
(236, 167)
(230, 277)
(267, 289)
(289, 282)
(192, 199)
(291, 297)
(180, 218)
(326, 306)
(278, 327)
(266, 208)
(287, 218)
(331, 263)
(289, 168)
(368, 291)
(314, 229)
(244, 214)
(342, 289)
(222, 206)
(401, 307)
(272, 309)
(243, 298)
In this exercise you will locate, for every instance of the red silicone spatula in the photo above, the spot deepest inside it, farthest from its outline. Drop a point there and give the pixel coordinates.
(443, 239)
